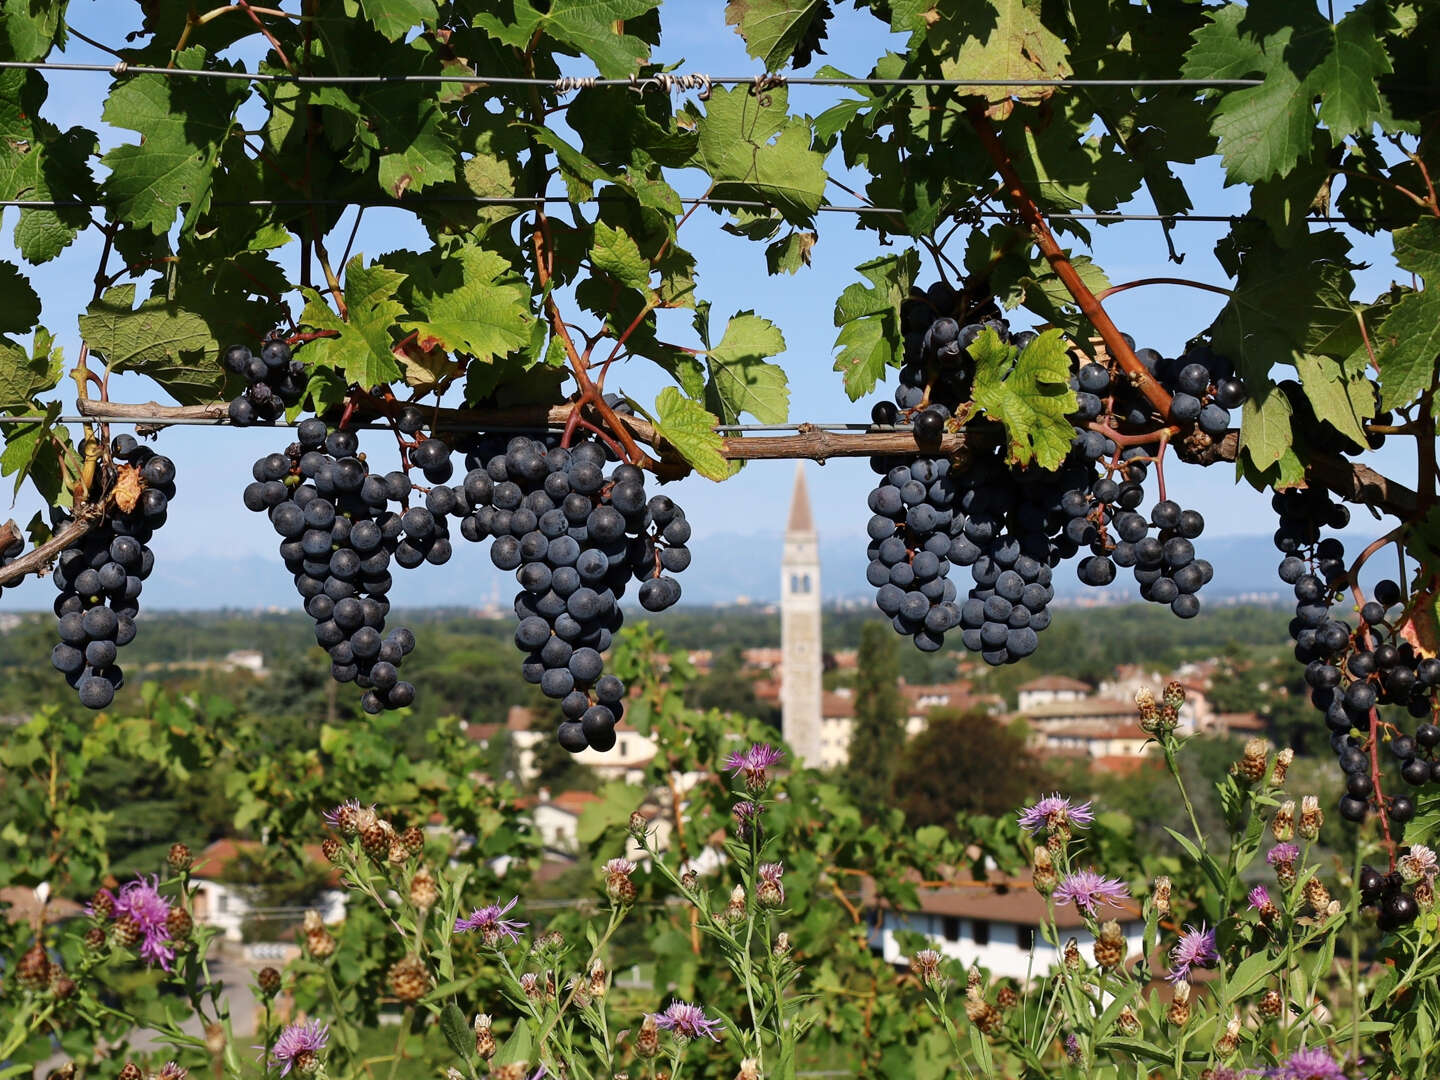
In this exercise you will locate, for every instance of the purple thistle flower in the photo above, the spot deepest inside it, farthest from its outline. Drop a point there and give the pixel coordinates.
(1087, 889)
(141, 900)
(1260, 898)
(747, 818)
(491, 926)
(1053, 811)
(687, 1021)
(171, 1070)
(1316, 1064)
(1195, 948)
(1282, 853)
(298, 1041)
(1072, 1047)
(754, 764)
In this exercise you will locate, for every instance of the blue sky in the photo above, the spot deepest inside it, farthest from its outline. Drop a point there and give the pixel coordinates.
(215, 464)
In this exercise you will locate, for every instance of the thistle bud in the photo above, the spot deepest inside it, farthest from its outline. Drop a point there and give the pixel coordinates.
(1225, 1045)
(131, 1071)
(637, 824)
(1149, 714)
(1311, 817)
(1168, 720)
(268, 979)
(1110, 945)
(925, 966)
(332, 849)
(125, 931)
(1179, 1013)
(1042, 872)
(782, 945)
(178, 924)
(95, 939)
(484, 1036)
(1282, 827)
(735, 909)
(1282, 766)
(179, 857)
(689, 881)
(1128, 1022)
(1270, 1004)
(598, 981)
(423, 889)
(1174, 695)
(1160, 896)
(647, 1041)
(62, 986)
(102, 904)
(770, 890)
(531, 986)
(1317, 896)
(1424, 893)
(1073, 960)
(551, 941)
(982, 1014)
(413, 839)
(408, 978)
(618, 885)
(1251, 765)
(749, 1070)
(318, 941)
(1006, 997)
(399, 853)
(972, 982)
(578, 988)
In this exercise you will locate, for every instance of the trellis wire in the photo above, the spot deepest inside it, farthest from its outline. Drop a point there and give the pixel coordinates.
(224, 421)
(566, 83)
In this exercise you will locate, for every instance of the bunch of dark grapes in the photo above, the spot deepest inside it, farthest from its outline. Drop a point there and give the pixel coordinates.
(1387, 892)
(1203, 385)
(1010, 526)
(10, 552)
(274, 381)
(575, 538)
(100, 578)
(339, 535)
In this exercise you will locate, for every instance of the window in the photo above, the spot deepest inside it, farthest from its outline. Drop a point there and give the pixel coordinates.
(981, 931)
(794, 583)
(624, 747)
(1025, 938)
(222, 903)
(805, 584)
(950, 927)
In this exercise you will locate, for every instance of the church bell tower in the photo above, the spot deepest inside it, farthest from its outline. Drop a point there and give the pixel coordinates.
(800, 629)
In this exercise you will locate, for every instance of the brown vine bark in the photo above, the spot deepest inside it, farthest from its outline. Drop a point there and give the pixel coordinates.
(34, 561)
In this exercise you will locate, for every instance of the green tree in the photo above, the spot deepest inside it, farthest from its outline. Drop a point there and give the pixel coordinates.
(728, 688)
(879, 729)
(965, 762)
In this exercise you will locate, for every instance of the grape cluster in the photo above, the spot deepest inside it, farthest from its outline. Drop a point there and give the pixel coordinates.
(10, 552)
(1010, 526)
(99, 579)
(1203, 385)
(575, 537)
(1387, 892)
(274, 381)
(339, 535)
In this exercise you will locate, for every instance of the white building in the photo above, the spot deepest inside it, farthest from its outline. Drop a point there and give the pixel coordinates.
(800, 639)
(224, 903)
(1049, 689)
(995, 926)
(626, 760)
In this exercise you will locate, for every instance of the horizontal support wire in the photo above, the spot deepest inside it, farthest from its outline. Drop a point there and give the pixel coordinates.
(564, 84)
(224, 421)
(743, 204)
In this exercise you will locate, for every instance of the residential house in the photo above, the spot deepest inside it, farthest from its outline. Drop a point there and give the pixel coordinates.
(225, 903)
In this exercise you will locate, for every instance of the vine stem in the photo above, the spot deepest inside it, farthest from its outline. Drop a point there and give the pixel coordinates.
(1064, 270)
(1126, 286)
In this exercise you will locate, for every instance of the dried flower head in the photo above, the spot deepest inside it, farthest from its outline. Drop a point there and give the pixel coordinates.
(689, 880)
(424, 890)
(925, 966)
(1073, 960)
(754, 765)
(1251, 765)
(1318, 897)
(1282, 826)
(298, 1047)
(350, 817)
(1087, 890)
(638, 824)
(647, 1040)
(1196, 948)
(1226, 1044)
(1128, 1022)
(1006, 997)
(782, 945)
(1282, 766)
(268, 979)
(747, 820)
(686, 1022)
(1282, 857)
(532, 986)
(408, 979)
(982, 1014)
(749, 1069)
(1270, 1004)
(618, 885)
(599, 981)
(1149, 712)
(735, 909)
(1110, 945)
(490, 924)
(318, 940)
(179, 857)
(484, 1036)
(770, 890)
(1419, 862)
(1179, 1013)
(1042, 872)
(1055, 812)
(1160, 895)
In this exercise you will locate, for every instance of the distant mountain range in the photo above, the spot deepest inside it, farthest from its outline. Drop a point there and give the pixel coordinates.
(728, 568)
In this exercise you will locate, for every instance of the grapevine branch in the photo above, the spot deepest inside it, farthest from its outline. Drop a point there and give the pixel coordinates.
(1060, 262)
(34, 561)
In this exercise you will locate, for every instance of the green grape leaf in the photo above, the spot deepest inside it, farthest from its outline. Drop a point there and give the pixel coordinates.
(42, 453)
(792, 251)
(39, 162)
(619, 256)
(1265, 130)
(1265, 432)
(1028, 393)
(416, 147)
(181, 135)
(21, 309)
(686, 425)
(742, 379)
(869, 321)
(772, 28)
(363, 351)
(590, 26)
(1417, 249)
(1409, 341)
(474, 303)
(1002, 39)
(28, 29)
(161, 339)
(753, 149)
(1345, 400)
(395, 18)
(22, 375)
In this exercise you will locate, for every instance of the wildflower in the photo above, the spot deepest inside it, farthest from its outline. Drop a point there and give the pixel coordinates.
(299, 1046)
(349, 818)
(484, 1036)
(747, 819)
(131, 1071)
(1196, 948)
(1149, 714)
(1072, 1047)
(689, 880)
(1179, 1014)
(1282, 766)
(491, 927)
(1042, 872)
(1128, 1022)
(754, 765)
(102, 905)
(1261, 902)
(179, 859)
(269, 981)
(735, 910)
(1174, 695)
(1316, 1064)
(749, 1070)
(377, 838)
(647, 1042)
(1318, 897)
(332, 849)
(981, 1013)
(579, 989)
(1110, 945)
(1283, 825)
(686, 1022)
(1282, 857)
(1006, 997)
(618, 885)
(1270, 1004)
(1160, 895)
(531, 987)
(1252, 761)
(1225, 1045)
(1073, 960)
(423, 890)
(1053, 812)
(179, 924)
(317, 938)
(171, 1070)
(141, 901)
(413, 839)
(770, 890)
(925, 966)
(598, 984)
(1419, 862)
(408, 979)
(95, 939)
(782, 945)
(637, 824)
(1087, 890)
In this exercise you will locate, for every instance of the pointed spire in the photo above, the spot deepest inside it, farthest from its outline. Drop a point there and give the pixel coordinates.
(800, 519)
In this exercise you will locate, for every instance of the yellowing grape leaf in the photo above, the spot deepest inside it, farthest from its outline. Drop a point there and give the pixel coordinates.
(1029, 393)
